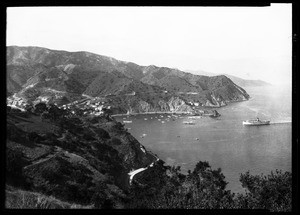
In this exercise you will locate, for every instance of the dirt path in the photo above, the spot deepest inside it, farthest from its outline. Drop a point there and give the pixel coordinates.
(134, 172)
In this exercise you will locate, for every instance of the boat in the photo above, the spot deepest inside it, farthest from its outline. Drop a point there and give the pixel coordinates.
(127, 121)
(214, 114)
(189, 122)
(194, 117)
(256, 121)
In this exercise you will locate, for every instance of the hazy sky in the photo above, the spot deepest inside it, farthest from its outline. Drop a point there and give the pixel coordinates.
(249, 42)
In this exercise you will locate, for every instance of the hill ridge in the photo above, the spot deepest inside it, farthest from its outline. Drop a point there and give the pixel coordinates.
(78, 73)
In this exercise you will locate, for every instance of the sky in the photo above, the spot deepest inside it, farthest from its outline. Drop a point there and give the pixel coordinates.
(248, 42)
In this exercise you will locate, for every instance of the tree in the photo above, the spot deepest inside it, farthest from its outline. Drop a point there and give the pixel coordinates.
(15, 161)
(78, 112)
(272, 192)
(40, 107)
(45, 115)
(29, 108)
(201, 166)
(55, 112)
(99, 196)
(107, 113)
(33, 136)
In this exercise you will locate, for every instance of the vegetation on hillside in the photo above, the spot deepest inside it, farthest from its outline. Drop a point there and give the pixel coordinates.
(205, 188)
(77, 159)
(35, 72)
(67, 160)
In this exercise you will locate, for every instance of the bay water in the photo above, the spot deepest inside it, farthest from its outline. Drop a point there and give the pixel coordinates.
(224, 141)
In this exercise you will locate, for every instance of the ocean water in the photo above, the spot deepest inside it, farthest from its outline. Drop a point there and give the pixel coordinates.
(224, 142)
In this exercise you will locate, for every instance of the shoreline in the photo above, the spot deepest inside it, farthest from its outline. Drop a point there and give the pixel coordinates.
(149, 113)
(179, 112)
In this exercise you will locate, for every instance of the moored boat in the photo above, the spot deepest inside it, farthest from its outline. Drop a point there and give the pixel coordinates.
(189, 122)
(214, 114)
(256, 122)
(194, 117)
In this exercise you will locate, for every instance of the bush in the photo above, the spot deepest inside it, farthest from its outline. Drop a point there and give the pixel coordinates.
(15, 134)
(116, 141)
(272, 192)
(40, 108)
(102, 133)
(55, 112)
(33, 136)
(15, 162)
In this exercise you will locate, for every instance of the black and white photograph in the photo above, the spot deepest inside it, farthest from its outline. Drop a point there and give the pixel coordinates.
(149, 107)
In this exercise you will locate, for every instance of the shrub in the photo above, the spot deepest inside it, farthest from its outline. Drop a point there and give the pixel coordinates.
(40, 107)
(272, 192)
(33, 136)
(15, 162)
(102, 133)
(116, 141)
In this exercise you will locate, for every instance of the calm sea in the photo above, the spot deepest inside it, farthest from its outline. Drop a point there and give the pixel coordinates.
(224, 142)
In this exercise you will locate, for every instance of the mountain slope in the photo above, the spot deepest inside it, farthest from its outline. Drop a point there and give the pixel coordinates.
(177, 84)
(75, 159)
(237, 80)
(247, 83)
(36, 73)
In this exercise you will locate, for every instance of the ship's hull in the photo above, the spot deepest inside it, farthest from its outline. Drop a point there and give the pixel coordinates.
(266, 122)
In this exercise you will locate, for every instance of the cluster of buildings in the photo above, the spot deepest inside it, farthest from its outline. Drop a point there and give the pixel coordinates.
(196, 104)
(16, 102)
(93, 106)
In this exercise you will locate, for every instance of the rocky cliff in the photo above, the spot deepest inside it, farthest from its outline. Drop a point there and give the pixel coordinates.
(172, 104)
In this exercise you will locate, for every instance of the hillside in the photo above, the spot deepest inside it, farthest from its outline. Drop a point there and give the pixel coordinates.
(237, 80)
(247, 83)
(75, 159)
(76, 155)
(56, 159)
(40, 74)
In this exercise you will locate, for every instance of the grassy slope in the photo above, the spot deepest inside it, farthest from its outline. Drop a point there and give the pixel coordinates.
(70, 159)
(21, 199)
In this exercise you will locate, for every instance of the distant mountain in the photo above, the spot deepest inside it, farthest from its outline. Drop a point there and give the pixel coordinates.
(239, 81)
(39, 73)
(200, 72)
(247, 83)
